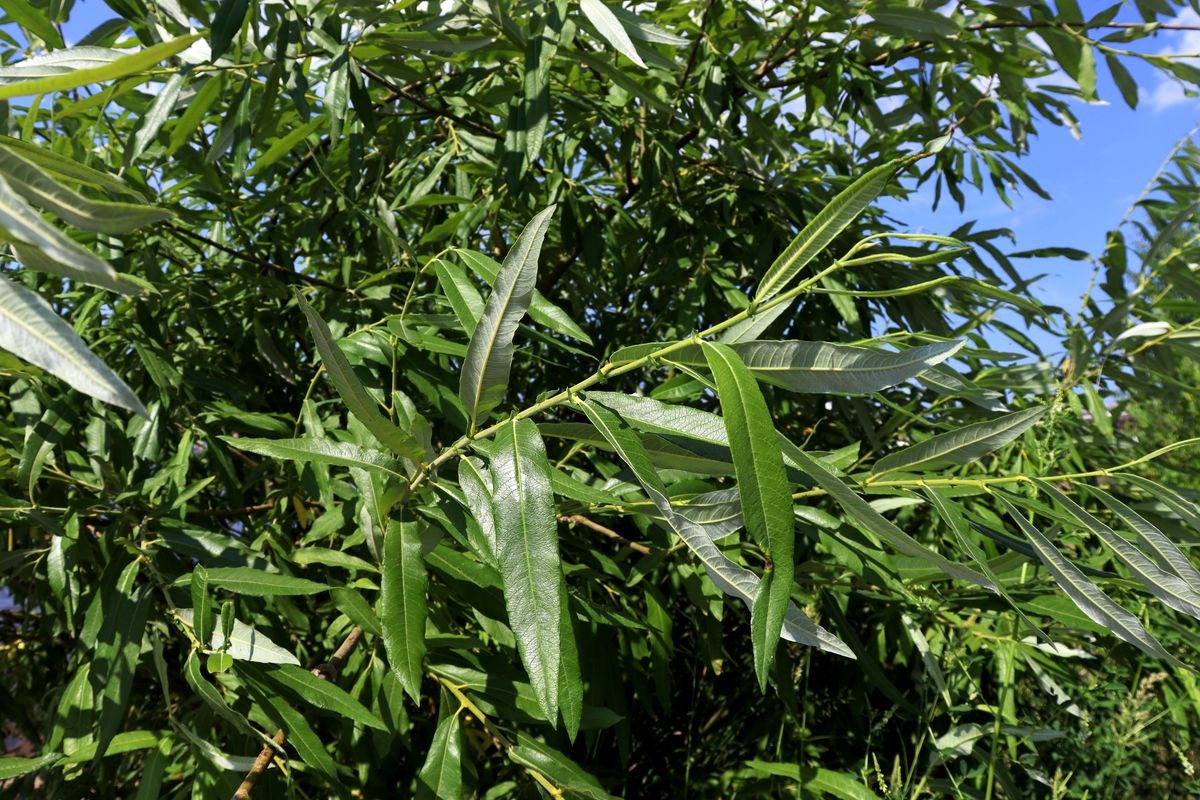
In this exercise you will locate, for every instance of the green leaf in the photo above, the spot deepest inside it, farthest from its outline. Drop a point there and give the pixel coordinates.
(202, 611)
(610, 29)
(441, 774)
(1124, 81)
(1179, 504)
(824, 368)
(118, 647)
(257, 583)
(816, 779)
(319, 451)
(750, 328)
(226, 24)
(245, 643)
(489, 355)
(98, 69)
(527, 555)
(540, 310)
(125, 742)
(402, 604)
(160, 111)
(464, 298)
(561, 771)
(1162, 549)
(16, 767)
(34, 21)
(351, 603)
(963, 445)
(823, 229)
(861, 512)
(322, 694)
(1093, 602)
(296, 727)
(476, 483)
(212, 697)
(766, 497)
(732, 579)
(1166, 586)
(352, 391)
(65, 168)
(31, 330)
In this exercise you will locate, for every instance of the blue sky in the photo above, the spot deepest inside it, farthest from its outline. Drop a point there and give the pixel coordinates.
(1092, 180)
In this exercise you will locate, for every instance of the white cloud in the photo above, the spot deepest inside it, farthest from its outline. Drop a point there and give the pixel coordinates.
(1169, 92)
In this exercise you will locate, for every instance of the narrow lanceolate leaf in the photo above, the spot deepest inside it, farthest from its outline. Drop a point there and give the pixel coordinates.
(824, 368)
(226, 24)
(115, 660)
(489, 355)
(476, 484)
(1185, 508)
(202, 610)
(963, 445)
(952, 516)
(823, 229)
(319, 451)
(1154, 541)
(245, 643)
(1166, 586)
(402, 607)
(462, 295)
(1093, 602)
(861, 512)
(765, 494)
(159, 113)
(527, 555)
(322, 694)
(441, 774)
(30, 329)
(749, 329)
(211, 696)
(541, 310)
(296, 727)
(36, 186)
(611, 29)
(89, 71)
(351, 390)
(732, 579)
(16, 767)
(256, 582)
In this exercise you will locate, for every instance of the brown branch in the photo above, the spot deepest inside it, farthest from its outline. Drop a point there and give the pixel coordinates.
(609, 532)
(327, 672)
(253, 259)
(1033, 23)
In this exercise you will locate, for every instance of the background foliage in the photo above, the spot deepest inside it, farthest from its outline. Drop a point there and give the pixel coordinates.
(285, 248)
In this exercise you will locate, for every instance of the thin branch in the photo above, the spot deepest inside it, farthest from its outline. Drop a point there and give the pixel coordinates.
(253, 259)
(326, 672)
(609, 532)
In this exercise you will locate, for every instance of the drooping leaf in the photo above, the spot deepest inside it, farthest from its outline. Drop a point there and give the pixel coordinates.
(527, 555)
(245, 643)
(305, 686)
(441, 774)
(822, 230)
(963, 445)
(731, 578)
(118, 647)
(824, 368)
(540, 310)
(1093, 602)
(1162, 549)
(319, 451)
(611, 29)
(352, 391)
(159, 113)
(71, 69)
(259, 583)
(36, 186)
(1166, 586)
(29, 328)
(489, 355)
(766, 497)
(402, 604)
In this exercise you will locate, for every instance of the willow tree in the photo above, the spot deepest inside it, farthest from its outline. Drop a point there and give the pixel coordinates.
(487, 399)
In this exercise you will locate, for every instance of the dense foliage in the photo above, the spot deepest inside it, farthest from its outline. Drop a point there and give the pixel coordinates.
(464, 399)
